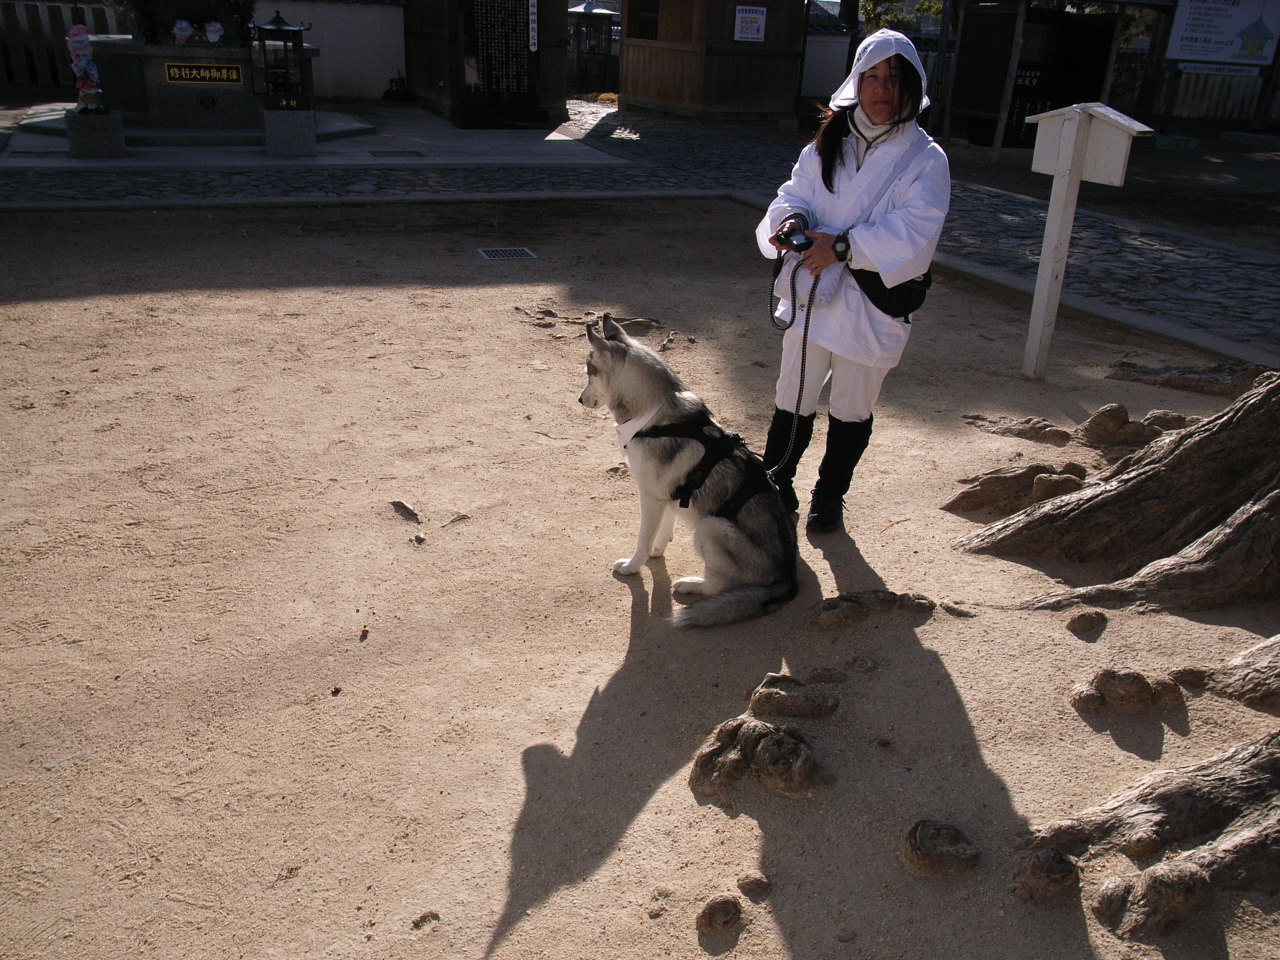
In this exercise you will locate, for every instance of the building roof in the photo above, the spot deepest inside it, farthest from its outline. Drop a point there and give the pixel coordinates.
(824, 17)
(598, 6)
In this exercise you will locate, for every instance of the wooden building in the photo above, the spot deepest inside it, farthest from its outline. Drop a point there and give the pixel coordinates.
(1014, 59)
(712, 58)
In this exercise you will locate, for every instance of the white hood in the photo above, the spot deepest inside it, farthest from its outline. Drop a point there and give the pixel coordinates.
(881, 45)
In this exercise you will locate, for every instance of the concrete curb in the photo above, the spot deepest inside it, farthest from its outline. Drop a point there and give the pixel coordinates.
(1248, 353)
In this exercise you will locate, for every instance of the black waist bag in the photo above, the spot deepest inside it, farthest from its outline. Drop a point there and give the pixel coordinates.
(900, 301)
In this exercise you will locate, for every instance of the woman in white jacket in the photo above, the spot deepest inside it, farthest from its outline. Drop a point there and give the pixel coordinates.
(871, 191)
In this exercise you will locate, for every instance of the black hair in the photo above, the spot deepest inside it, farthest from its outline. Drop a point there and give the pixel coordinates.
(835, 123)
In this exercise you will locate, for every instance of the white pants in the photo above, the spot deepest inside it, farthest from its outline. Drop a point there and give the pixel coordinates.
(854, 386)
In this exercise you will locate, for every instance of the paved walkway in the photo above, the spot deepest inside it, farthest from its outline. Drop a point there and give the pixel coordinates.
(1223, 298)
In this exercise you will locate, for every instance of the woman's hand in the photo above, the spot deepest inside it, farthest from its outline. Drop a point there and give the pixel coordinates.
(784, 228)
(820, 256)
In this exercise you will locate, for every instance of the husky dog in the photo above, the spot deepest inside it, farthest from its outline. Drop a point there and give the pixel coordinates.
(685, 464)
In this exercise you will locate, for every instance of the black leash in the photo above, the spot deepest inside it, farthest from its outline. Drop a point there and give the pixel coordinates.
(785, 325)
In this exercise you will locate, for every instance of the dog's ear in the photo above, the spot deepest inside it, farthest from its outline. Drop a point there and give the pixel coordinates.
(614, 340)
(612, 330)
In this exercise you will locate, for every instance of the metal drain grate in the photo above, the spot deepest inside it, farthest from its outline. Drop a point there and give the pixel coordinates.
(508, 253)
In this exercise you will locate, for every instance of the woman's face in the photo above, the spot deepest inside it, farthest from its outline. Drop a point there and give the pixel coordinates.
(878, 91)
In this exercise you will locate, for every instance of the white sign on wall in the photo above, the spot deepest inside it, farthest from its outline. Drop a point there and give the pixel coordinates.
(1225, 31)
(749, 24)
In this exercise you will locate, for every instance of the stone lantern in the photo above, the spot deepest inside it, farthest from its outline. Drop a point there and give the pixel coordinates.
(282, 63)
(285, 65)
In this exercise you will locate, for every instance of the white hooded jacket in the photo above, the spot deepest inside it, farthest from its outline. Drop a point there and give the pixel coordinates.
(897, 238)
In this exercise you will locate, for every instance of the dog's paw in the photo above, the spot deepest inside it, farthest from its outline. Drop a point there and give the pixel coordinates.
(627, 566)
(694, 585)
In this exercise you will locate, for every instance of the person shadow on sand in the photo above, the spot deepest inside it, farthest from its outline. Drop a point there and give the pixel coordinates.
(900, 748)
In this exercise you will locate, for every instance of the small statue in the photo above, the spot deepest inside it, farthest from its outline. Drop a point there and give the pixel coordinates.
(182, 31)
(88, 86)
(213, 32)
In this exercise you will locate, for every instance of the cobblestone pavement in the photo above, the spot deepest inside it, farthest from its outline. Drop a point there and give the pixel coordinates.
(1217, 296)
(1206, 289)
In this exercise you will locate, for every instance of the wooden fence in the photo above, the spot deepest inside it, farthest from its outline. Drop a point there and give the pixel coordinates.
(1223, 98)
(33, 39)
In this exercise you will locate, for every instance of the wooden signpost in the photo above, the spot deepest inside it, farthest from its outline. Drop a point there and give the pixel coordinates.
(1087, 141)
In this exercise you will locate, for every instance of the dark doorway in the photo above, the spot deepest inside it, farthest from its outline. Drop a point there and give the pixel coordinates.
(593, 49)
(488, 63)
(1063, 60)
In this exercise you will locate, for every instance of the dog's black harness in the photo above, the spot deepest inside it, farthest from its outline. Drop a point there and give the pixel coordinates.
(718, 445)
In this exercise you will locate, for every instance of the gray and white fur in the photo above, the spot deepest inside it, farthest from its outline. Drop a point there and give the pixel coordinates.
(749, 560)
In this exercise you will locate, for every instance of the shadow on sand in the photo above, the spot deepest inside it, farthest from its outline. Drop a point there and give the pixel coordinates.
(901, 747)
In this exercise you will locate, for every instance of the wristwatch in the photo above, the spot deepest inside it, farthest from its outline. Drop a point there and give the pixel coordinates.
(840, 246)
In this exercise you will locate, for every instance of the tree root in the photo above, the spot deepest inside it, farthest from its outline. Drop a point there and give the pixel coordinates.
(782, 695)
(1229, 803)
(1252, 678)
(931, 847)
(1237, 562)
(1125, 691)
(1046, 876)
(1009, 489)
(846, 609)
(778, 756)
(1191, 521)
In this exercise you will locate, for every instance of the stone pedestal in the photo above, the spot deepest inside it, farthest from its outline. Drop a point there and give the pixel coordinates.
(170, 87)
(91, 135)
(289, 133)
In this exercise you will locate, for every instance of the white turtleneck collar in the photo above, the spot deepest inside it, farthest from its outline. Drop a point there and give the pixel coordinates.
(865, 134)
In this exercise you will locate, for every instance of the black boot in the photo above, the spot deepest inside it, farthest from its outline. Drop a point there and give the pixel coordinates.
(846, 441)
(782, 453)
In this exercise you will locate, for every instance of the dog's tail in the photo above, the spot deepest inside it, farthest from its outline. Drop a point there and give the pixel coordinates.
(734, 606)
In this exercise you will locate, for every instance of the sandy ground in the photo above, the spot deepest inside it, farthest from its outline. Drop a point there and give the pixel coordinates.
(248, 709)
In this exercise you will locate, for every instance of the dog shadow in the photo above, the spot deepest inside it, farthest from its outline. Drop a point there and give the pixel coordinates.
(626, 747)
(901, 748)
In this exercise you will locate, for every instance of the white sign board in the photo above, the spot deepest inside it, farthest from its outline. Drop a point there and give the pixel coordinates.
(749, 24)
(1225, 31)
(533, 26)
(1084, 141)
